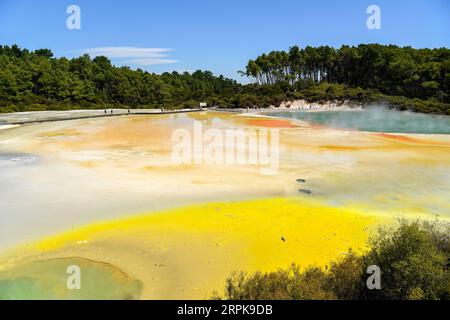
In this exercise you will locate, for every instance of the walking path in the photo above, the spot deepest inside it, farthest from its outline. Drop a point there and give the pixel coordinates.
(45, 116)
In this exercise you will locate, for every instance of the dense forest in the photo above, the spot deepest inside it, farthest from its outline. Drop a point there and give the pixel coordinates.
(414, 73)
(421, 74)
(37, 81)
(404, 78)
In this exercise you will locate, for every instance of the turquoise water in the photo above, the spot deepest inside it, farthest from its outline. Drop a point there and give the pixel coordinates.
(47, 280)
(375, 120)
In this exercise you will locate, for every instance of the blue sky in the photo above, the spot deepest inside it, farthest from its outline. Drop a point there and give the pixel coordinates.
(215, 35)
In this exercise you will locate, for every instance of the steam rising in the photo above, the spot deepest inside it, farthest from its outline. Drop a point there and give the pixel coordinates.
(376, 119)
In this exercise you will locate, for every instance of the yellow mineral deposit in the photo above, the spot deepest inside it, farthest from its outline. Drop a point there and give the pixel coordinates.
(106, 190)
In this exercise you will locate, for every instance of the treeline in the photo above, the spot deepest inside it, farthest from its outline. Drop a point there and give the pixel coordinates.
(264, 96)
(414, 261)
(403, 78)
(38, 81)
(393, 70)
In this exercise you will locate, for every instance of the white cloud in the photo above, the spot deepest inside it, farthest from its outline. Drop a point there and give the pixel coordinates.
(150, 61)
(133, 55)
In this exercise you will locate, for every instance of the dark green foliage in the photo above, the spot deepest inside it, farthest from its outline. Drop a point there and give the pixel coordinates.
(414, 73)
(281, 285)
(345, 275)
(265, 95)
(403, 78)
(414, 261)
(37, 81)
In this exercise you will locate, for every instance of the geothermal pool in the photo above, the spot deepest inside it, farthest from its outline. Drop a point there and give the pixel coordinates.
(374, 120)
(105, 194)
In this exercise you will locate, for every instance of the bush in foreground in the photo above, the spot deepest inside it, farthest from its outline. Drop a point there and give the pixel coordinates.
(413, 259)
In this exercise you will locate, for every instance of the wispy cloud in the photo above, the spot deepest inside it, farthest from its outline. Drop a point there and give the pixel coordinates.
(150, 61)
(134, 55)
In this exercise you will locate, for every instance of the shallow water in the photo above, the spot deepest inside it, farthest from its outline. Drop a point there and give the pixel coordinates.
(47, 279)
(374, 120)
(60, 176)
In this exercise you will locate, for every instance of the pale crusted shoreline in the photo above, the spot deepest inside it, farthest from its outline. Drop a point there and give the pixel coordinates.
(18, 118)
(181, 229)
(8, 126)
(296, 105)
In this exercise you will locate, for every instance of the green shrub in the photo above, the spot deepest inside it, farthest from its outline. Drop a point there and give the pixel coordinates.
(345, 276)
(414, 260)
(289, 284)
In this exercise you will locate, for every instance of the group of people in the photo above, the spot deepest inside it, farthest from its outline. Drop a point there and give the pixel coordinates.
(112, 111)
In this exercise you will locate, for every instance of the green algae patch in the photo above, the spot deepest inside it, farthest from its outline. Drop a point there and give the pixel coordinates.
(67, 279)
